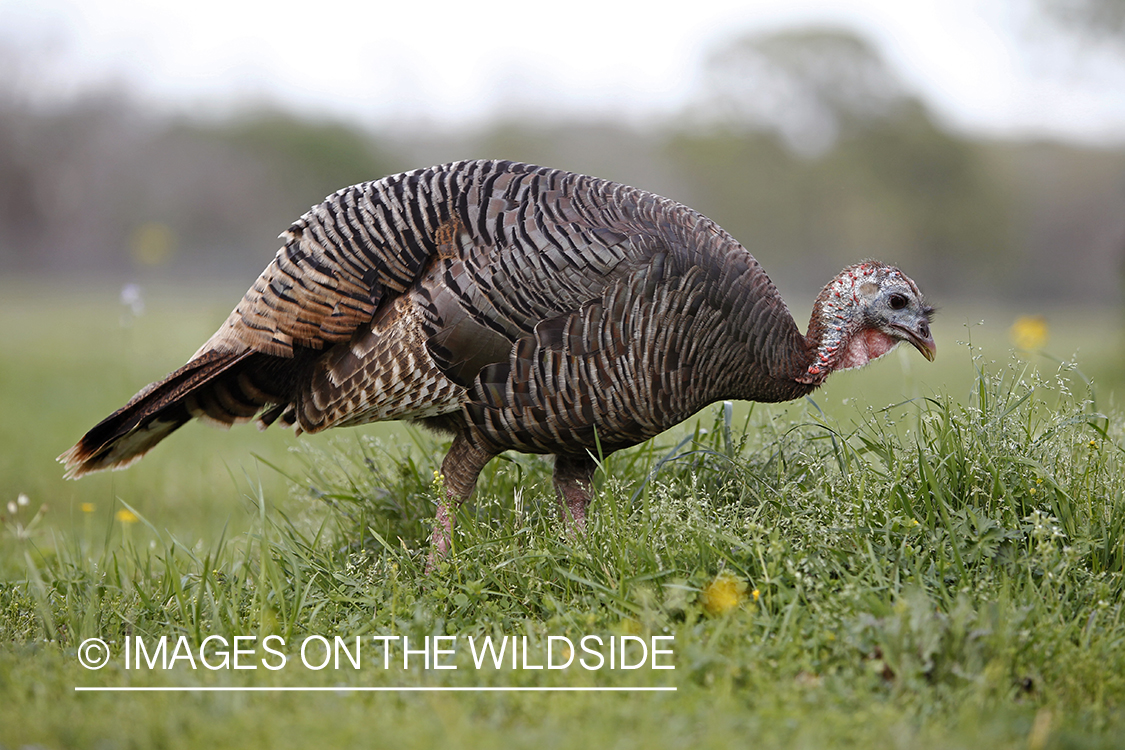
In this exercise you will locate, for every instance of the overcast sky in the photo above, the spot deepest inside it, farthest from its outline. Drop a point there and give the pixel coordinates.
(985, 66)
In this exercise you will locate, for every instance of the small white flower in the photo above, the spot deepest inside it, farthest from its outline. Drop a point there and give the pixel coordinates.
(12, 507)
(132, 298)
(23, 499)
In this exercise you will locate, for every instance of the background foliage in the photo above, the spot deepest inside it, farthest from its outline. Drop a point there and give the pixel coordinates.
(805, 145)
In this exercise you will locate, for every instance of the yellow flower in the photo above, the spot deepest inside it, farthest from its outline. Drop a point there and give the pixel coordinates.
(125, 516)
(1029, 332)
(152, 244)
(87, 507)
(723, 594)
(755, 593)
(629, 626)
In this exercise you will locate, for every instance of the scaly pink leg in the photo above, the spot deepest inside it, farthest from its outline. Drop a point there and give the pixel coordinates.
(574, 479)
(460, 469)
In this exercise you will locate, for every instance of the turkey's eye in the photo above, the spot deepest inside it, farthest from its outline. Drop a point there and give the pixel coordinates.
(898, 301)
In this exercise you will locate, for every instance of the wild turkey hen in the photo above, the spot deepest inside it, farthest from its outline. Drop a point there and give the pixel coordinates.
(515, 307)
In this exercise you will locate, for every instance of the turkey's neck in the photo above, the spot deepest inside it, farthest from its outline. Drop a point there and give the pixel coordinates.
(836, 339)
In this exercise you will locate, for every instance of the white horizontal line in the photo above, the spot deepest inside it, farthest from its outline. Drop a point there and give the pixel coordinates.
(367, 689)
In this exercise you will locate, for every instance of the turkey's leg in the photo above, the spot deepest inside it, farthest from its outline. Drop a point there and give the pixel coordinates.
(459, 469)
(574, 478)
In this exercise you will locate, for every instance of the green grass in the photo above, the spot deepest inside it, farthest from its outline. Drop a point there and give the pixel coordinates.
(939, 572)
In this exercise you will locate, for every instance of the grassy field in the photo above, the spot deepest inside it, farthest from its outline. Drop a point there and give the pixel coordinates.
(921, 556)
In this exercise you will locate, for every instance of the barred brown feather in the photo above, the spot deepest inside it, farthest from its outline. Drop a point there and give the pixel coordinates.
(516, 307)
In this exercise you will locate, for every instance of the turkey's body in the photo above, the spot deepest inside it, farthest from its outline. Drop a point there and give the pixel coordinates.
(514, 306)
(579, 304)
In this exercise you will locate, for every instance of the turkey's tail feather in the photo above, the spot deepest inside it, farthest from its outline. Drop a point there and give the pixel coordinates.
(211, 387)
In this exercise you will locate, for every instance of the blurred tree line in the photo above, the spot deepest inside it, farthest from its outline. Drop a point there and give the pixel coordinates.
(804, 145)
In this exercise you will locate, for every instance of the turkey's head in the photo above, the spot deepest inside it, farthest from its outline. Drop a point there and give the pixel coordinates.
(862, 314)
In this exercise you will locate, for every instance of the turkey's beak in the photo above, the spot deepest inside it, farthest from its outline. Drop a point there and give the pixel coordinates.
(926, 346)
(920, 338)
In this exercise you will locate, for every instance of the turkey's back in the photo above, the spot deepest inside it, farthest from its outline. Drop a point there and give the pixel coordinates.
(556, 312)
